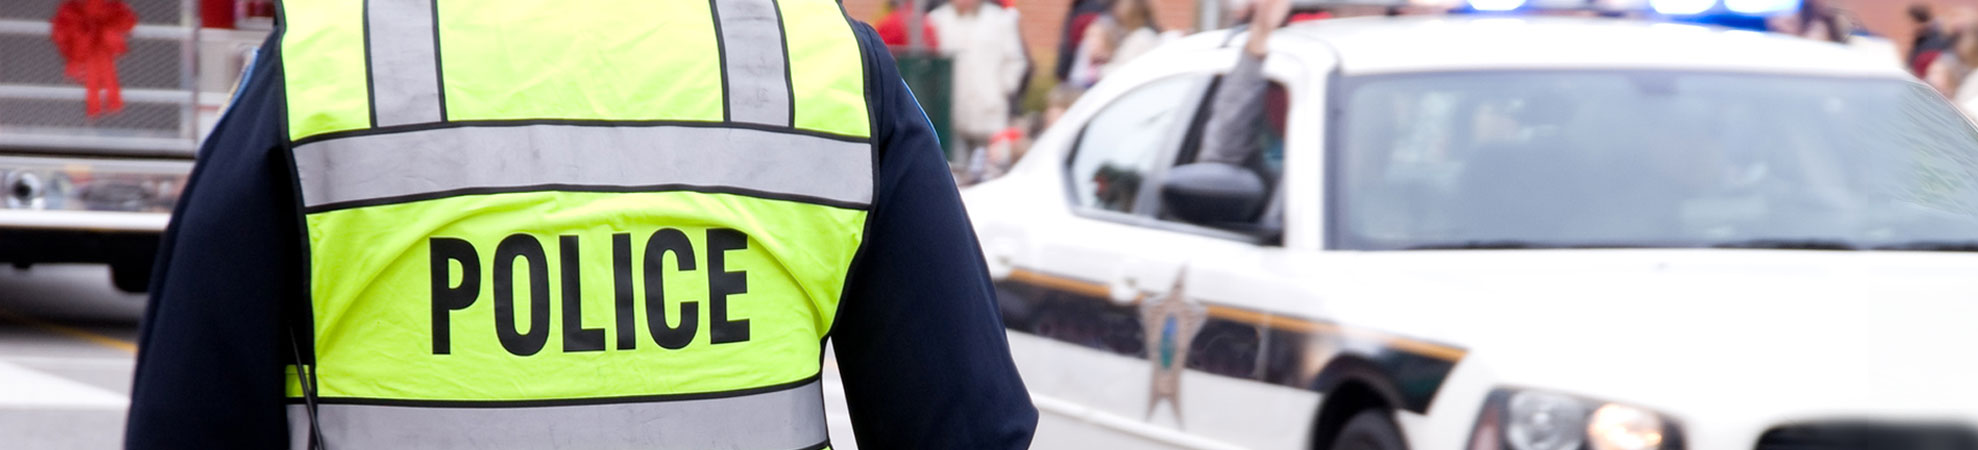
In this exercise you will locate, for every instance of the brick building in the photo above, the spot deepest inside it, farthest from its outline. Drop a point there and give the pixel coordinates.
(1890, 17)
(1042, 19)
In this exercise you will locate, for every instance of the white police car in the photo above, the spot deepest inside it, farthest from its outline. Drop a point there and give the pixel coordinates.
(1501, 233)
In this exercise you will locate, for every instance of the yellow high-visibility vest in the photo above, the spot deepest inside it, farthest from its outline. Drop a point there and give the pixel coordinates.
(545, 224)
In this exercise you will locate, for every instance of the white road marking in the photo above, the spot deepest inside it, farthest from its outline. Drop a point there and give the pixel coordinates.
(44, 361)
(837, 419)
(23, 388)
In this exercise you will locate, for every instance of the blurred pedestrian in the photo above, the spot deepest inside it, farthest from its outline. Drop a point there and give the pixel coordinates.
(1057, 103)
(1816, 19)
(1931, 39)
(1947, 71)
(1126, 31)
(996, 156)
(361, 262)
(989, 66)
(1080, 17)
(893, 29)
(1954, 69)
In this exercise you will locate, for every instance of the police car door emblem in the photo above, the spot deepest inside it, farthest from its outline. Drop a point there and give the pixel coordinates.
(1170, 322)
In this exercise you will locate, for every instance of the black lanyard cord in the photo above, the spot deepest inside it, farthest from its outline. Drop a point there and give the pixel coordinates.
(306, 375)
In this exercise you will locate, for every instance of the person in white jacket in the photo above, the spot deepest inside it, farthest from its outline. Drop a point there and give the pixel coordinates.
(989, 65)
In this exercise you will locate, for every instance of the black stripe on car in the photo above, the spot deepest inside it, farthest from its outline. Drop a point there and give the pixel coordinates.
(1234, 342)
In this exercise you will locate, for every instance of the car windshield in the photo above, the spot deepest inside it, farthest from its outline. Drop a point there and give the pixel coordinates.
(1648, 159)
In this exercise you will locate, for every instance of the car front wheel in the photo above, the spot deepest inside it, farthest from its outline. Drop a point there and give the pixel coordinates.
(131, 274)
(1369, 429)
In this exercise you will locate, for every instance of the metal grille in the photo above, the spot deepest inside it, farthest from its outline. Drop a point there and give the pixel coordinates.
(137, 119)
(42, 109)
(33, 60)
(1862, 436)
(162, 12)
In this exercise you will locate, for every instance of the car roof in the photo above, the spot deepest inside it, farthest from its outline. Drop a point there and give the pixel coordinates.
(1373, 45)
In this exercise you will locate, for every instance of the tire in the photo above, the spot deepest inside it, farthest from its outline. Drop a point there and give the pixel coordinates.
(1369, 429)
(133, 276)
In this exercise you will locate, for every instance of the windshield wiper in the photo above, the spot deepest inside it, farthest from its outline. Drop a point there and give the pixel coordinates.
(1478, 245)
(1515, 245)
(1933, 246)
(1789, 244)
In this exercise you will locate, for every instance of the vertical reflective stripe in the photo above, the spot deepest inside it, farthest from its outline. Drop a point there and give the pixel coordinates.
(405, 86)
(322, 57)
(827, 71)
(752, 49)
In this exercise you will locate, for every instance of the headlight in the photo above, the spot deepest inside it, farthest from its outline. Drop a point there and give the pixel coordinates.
(76, 184)
(25, 190)
(1622, 427)
(1536, 420)
(1544, 421)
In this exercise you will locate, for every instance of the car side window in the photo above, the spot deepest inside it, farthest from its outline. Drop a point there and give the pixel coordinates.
(1262, 147)
(1119, 150)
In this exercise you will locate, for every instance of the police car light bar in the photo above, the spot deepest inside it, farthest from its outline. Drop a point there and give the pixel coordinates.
(1660, 7)
(1682, 7)
(1496, 5)
(1761, 7)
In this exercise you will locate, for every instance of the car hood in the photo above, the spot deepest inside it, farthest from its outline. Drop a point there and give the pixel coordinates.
(1712, 334)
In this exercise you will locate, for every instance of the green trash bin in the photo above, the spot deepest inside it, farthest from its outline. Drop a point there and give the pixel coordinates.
(931, 77)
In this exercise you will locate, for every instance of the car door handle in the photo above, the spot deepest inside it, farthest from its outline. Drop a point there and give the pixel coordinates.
(1124, 289)
(1000, 257)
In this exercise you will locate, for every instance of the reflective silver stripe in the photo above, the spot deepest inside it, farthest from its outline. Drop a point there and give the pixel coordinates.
(786, 419)
(405, 87)
(752, 43)
(405, 166)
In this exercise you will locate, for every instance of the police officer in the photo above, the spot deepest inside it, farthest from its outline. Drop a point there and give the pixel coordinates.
(537, 224)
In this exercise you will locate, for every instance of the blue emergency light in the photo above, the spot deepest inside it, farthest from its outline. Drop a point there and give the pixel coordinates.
(1496, 5)
(1741, 7)
(1660, 7)
(1761, 7)
(1749, 14)
(1682, 7)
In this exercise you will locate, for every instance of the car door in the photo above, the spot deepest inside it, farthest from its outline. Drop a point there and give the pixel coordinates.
(1122, 320)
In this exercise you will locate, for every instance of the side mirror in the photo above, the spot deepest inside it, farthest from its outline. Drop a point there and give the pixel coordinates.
(1214, 194)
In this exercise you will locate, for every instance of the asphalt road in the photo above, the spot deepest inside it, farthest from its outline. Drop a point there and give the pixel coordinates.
(66, 345)
(66, 342)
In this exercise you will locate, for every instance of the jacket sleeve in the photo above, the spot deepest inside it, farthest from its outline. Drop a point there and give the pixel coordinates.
(211, 345)
(919, 340)
(1237, 113)
(1016, 59)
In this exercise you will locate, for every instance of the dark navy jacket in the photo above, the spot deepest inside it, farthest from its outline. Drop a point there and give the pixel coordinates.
(918, 337)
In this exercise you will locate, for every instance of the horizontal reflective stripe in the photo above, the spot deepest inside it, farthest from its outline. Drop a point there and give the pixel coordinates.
(785, 419)
(416, 165)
